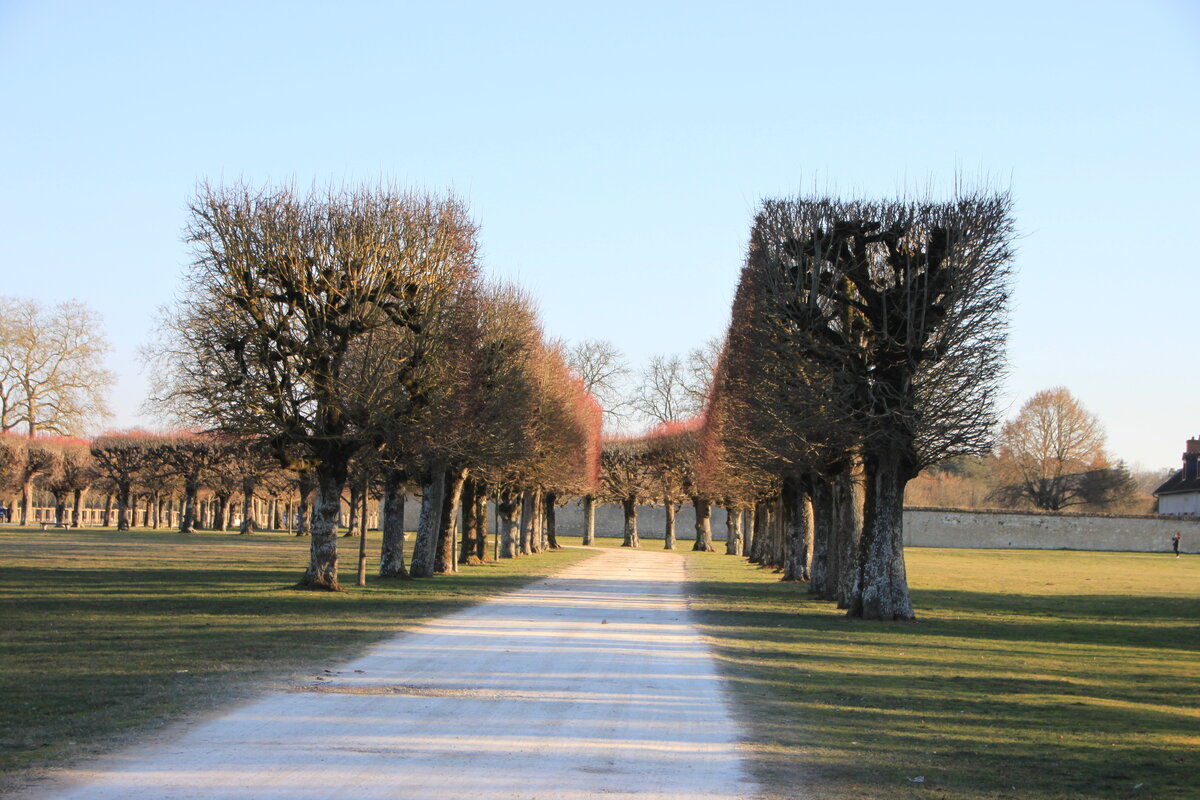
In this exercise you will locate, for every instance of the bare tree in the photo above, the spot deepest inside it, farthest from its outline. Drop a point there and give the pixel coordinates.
(281, 289)
(12, 460)
(191, 458)
(669, 472)
(624, 480)
(1052, 455)
(894, 314)
(603, 370)
(120, 458)
(701, 367)
(73, 476)
(52, 379)
(662, 396)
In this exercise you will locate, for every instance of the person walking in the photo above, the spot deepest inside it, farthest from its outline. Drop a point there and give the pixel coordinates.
(1175, 543)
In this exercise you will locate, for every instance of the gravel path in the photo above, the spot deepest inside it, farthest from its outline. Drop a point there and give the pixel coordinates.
(592, 683)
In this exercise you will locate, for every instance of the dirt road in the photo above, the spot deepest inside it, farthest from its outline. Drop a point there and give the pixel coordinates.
(592, 683)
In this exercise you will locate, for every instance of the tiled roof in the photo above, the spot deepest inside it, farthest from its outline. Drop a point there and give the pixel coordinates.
(1176, 484)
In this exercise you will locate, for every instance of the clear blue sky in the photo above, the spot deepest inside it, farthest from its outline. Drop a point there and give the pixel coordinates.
(614, 154)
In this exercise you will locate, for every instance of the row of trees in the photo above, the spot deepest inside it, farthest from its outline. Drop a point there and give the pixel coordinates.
(168, 472)
(1050, 456)
(867, 342)
(349, 333)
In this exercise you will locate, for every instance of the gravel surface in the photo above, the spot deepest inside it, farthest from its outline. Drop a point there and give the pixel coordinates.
(591, 683)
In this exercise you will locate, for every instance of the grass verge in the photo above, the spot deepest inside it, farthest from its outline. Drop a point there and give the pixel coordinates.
(109, 635)
(1030, 674)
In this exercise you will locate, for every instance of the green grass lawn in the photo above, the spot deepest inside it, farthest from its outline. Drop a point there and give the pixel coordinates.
(109, 635)
(1030, 674)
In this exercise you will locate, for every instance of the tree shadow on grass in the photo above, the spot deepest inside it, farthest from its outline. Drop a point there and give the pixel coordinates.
(1057, 696)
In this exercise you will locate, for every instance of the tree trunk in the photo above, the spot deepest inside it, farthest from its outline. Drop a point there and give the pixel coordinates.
(733, 531)
(391, 553)
(762, 533)
(527, 522)
(305, 487)
(506, 508)
(248, 525)
(589, 520)
(108, 509)
(191, 488)
(277, 513)
(669, 527)
(481, 534)
(758, 537)
(749, 525)
(848, 508)
(821, 581)
(123, 496)
(881, 587)
(629, 506)
(77, 508)
(220, 512)
(538, 539)
(362, 538)
(27, 502)
(470, 523)
(537, 529)
(445, 562)
(778, 538)
(322, 570)
(433, 496)
(352, 525)
(704, 540)
(765, 538)
(548, 503)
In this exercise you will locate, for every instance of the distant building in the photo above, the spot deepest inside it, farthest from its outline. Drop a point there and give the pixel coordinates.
(1180, 494)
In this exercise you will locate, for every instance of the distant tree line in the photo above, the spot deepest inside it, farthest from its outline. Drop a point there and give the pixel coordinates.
(186, 480)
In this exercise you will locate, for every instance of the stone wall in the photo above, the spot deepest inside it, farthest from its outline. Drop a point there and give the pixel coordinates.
(934, 527)
(923, 527)
(610, 522)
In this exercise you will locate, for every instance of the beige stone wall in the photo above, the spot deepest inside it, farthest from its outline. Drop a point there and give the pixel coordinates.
(922, 528)
(1047, 531)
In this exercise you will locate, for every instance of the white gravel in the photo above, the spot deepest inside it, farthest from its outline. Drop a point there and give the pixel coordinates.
(592, 683)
